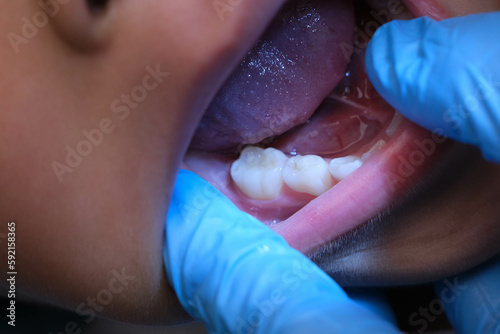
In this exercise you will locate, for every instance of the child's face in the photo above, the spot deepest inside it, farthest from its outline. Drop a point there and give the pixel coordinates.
(98, 109)
(132, 81)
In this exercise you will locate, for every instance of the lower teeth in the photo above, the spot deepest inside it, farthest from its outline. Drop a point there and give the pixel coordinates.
(307, 174)
(258, 173)
(261, 173)
(341, 168)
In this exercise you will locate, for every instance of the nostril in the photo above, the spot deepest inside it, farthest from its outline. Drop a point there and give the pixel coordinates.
(83, 24)
(96, 5)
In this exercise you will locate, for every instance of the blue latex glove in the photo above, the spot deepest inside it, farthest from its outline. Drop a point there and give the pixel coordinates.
(235, 275)
(443, 75)
(446, 77)
(472, 299)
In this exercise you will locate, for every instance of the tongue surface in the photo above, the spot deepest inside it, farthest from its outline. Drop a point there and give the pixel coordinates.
(283, 79)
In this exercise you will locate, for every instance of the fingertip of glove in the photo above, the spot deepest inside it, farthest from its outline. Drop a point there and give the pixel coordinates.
(393, 38)
(394, 62)
(490, 153)
(389, 47)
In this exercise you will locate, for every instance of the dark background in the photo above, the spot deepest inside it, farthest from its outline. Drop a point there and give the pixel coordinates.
(45, 319)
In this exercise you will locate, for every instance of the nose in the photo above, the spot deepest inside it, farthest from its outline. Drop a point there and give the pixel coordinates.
(199, 42)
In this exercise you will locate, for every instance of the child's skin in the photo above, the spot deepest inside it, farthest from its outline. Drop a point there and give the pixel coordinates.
(109, 212)
(74, 228)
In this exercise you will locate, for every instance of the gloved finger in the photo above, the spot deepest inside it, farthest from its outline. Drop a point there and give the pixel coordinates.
(234, 274)
(373, 299)
(443, 75)
(472, 299)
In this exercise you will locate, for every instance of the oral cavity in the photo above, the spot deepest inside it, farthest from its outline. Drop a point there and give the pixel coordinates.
(297, 117)
(283, 79)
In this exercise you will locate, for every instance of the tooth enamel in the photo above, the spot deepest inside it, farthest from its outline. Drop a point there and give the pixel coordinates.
(396, 122)
(307, 174)
(258, 172)
(375, 148)
(341, 168)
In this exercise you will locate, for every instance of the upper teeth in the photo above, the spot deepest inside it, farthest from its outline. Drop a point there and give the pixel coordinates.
(307, 174)
(258, 172)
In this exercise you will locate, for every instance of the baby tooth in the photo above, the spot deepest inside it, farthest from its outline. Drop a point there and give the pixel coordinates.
(258, 172)
(307, 174)
(341, 168)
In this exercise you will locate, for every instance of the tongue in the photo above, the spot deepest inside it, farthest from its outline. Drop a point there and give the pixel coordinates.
(283, 79)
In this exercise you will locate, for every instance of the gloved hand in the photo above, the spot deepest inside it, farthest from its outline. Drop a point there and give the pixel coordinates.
(471, 299)
(235, 275)
(443, 75)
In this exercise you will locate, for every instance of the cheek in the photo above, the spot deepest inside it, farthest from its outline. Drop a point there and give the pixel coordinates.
(109, 212)
(447, 228)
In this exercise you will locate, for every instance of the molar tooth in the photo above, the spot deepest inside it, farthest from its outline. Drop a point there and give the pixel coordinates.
(341, 168)
(258, 172)
(307, 174)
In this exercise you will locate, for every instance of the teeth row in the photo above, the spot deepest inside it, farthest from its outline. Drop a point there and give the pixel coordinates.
(261, 173)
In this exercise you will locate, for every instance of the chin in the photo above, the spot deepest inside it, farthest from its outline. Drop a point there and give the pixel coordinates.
(299, 138)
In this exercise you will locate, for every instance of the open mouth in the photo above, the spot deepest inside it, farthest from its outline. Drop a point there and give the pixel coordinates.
(299, 138)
